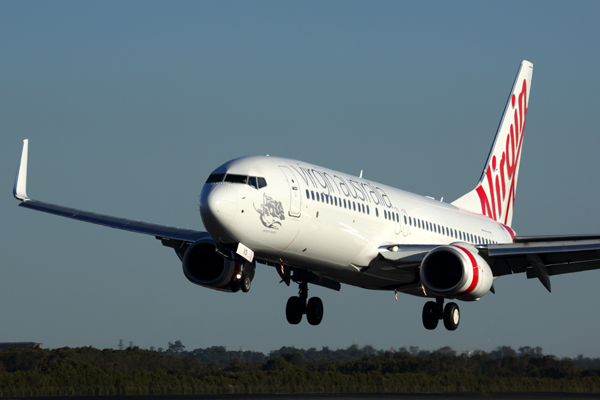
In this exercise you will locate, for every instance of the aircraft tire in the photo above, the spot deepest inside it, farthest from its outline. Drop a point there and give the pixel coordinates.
(430, 315)
(314, 311)
(294, 310)
(235, 285)
(451, 316)
(245, 283)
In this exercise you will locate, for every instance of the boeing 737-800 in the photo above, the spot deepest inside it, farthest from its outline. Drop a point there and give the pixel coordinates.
(323, 227)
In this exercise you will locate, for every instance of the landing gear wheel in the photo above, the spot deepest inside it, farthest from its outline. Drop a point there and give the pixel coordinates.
(451, 316)
(245, 283)
(294, 310)
(430, 315)
(314, 311)
(235, 285)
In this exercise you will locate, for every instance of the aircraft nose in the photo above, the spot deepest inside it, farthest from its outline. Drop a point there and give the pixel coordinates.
(218, 205)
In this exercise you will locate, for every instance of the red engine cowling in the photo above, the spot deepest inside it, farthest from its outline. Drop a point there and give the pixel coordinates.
(203, 266)
(456, 272)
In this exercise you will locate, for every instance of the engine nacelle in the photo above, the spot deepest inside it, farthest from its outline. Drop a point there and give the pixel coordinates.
(203, 266)
(456, 272)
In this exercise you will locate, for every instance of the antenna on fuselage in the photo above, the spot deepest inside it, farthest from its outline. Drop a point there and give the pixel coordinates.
(360, 174)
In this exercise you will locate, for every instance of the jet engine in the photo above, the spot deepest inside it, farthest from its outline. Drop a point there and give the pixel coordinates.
(456, 272)
(204, 266)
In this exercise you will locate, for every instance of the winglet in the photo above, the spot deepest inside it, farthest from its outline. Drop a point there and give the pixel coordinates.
(20, 188)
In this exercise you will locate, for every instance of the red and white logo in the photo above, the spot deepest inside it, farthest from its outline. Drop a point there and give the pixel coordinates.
(498, 187)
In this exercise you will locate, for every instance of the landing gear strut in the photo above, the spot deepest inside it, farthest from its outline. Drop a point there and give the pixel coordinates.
(298, 306)
(433, 312)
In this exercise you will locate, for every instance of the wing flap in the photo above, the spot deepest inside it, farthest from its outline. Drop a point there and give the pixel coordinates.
(542, 257)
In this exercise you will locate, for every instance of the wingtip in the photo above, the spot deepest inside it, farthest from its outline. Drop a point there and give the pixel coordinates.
(20, 188)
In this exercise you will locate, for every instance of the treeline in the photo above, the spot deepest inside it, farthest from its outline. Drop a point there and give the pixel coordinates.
(89, 371)
(221, 355)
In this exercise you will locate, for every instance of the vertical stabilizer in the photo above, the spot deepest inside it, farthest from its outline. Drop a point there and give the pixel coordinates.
(494, 195)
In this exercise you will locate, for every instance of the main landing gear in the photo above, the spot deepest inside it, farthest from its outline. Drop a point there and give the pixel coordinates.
(298, 306)
(433, 311)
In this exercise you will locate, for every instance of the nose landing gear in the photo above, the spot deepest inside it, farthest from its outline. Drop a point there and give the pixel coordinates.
(433, 312)
(297, 306)
(243, 278)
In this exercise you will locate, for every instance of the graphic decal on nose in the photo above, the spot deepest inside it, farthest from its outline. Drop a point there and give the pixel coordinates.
(271, 212)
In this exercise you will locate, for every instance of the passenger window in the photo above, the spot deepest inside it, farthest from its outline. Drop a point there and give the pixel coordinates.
(367, 210)
(363, 208)
(405, 220)
(335, 200)
(261, 182)
(214, 178)
(312, 194)
(354, 206)
(307, 194)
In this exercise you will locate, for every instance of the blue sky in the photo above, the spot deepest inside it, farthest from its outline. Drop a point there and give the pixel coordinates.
(130, 105)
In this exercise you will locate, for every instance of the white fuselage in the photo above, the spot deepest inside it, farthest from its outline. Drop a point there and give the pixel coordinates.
(326, 221)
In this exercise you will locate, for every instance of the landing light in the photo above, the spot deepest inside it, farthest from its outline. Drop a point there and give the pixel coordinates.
(238, 276)
(394, 249)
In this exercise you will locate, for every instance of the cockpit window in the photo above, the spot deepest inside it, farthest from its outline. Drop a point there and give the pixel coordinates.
(236, 178)
(214, 178)
(252, 182)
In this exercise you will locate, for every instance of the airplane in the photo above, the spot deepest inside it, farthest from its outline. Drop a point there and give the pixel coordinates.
(323, 227)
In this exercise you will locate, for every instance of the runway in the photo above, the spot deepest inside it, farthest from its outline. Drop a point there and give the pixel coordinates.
(375, 396)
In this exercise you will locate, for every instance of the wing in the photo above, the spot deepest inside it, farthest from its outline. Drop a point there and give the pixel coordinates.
(543, 256)
(537, 256)
(160, 231)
